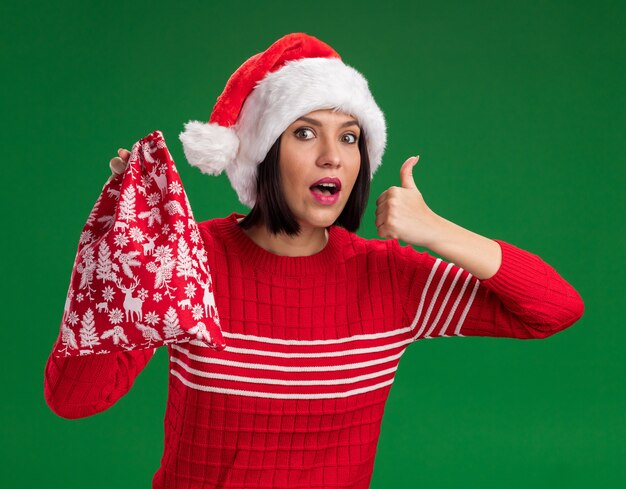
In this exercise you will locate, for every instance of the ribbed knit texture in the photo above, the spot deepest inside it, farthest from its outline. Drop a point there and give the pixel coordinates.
(313, 343)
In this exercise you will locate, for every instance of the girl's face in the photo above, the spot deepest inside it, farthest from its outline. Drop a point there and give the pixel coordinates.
(319, 145)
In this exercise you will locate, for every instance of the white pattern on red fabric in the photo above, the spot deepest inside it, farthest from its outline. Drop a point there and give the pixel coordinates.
(140, 278)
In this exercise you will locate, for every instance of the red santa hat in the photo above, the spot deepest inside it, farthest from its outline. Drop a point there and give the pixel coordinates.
(295, 75)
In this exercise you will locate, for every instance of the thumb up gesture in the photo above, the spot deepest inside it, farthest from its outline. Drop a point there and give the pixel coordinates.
(401, 212)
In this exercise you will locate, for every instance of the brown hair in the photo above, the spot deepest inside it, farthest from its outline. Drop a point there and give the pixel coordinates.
(271, 208)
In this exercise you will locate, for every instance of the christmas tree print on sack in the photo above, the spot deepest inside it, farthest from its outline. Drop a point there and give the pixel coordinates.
(141, 277)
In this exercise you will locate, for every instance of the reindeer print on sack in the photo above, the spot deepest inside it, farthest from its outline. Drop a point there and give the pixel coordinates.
(132, 305)
(141, 277)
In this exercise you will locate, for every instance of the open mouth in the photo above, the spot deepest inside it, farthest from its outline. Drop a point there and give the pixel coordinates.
(325, 188)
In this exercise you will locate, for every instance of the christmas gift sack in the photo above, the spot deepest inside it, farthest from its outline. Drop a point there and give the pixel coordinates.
(141, 277)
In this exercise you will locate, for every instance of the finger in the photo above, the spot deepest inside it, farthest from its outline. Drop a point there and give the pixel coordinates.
(382, 198)
(406, 172)
(117, 165)
(380, 220)
(124, 154)
(386, 233)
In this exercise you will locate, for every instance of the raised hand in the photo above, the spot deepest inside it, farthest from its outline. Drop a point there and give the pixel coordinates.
(401, 212)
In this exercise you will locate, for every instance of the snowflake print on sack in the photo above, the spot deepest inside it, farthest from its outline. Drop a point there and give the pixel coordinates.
(86, 237)
(195, 236)
(180, 227)
(154, 199)
(141, 277)
(120, 240)
(136, 234)
(175, 188)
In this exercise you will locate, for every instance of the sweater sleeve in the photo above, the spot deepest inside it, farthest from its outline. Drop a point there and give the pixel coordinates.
(77, 387)
(525, 299)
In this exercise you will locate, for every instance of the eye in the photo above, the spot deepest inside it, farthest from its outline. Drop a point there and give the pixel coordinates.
(355, 138)
(301, 130)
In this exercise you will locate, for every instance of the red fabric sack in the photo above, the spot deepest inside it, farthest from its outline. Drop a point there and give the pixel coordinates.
(141, 277)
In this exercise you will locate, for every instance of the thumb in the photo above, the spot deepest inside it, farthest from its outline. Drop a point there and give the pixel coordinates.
(406, 172)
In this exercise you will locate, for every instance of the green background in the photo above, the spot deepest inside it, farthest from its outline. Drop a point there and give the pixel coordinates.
(518, 112)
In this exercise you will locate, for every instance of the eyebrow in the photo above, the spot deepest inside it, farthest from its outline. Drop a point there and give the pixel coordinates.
(315, 122)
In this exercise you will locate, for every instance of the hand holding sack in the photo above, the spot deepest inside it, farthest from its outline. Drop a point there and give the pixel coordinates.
(141, 277)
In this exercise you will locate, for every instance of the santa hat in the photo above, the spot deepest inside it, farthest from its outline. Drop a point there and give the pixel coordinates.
(295, 75)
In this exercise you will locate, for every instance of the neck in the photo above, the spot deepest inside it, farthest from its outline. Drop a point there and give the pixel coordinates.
(309, 242)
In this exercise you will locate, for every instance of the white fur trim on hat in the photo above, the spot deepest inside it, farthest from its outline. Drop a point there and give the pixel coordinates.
(209, 146)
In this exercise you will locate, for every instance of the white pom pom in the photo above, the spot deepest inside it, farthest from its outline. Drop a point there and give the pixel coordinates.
(209, 146)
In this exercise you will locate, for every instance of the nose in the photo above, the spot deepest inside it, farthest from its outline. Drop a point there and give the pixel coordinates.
(330, 155)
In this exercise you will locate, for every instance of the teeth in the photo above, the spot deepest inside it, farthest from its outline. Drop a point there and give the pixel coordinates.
(329, 185)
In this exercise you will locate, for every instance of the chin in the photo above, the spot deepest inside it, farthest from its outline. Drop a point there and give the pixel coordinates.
(321, 219)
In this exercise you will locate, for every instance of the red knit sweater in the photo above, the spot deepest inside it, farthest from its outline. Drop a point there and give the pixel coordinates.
(313, 343)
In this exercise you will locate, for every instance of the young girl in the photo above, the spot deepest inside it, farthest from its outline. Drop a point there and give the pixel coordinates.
(315, 318)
